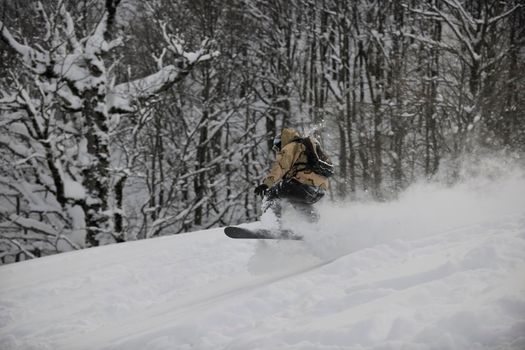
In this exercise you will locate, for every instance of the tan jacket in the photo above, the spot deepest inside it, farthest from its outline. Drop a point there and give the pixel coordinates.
(292, 153)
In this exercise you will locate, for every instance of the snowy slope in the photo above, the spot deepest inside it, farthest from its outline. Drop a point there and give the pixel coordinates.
(438, 269)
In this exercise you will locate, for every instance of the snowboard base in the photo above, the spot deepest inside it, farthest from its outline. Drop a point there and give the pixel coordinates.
(244, 233)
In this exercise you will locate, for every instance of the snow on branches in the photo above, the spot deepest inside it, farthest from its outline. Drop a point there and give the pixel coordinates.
(58, 113)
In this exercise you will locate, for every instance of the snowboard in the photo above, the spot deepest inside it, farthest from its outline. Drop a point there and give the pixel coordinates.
(244, 233)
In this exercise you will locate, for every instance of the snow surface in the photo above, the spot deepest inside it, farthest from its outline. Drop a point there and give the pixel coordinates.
(441, 268)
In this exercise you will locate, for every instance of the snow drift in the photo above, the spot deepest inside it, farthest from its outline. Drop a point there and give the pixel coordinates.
(440, 268)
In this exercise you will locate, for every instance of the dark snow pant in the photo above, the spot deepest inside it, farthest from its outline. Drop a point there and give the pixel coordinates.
(299, 195)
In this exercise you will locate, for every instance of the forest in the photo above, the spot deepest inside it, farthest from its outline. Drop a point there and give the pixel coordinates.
(123, 120)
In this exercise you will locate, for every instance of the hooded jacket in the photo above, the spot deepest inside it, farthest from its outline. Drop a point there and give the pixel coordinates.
(292, 154)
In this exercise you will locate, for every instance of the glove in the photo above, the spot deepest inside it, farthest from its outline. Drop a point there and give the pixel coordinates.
(261, 190)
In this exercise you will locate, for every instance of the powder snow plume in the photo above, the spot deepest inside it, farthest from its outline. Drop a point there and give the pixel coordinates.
(488, 190)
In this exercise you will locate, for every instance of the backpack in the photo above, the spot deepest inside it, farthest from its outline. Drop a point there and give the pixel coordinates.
(317, 161)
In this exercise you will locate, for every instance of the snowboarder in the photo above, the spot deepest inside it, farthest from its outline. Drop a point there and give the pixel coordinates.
(299, 175)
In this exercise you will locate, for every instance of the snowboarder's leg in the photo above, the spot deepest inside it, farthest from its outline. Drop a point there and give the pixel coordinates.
(308, 211)
(276, 207)
(272, 202)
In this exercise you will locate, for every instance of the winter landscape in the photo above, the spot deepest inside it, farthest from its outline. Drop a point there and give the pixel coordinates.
(441, 268)
(132, 133)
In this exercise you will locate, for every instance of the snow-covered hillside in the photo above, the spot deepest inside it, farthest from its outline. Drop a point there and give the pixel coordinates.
(441, 268)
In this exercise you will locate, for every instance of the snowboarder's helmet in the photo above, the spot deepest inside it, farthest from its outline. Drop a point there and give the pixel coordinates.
(277, 143)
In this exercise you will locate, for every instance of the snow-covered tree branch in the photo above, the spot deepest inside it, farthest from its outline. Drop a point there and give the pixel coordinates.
(58, 116)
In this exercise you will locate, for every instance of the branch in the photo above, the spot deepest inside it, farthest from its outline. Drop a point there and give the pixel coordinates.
(458, 34)
(40, 9)
(9, 102)
(431, 42)
(16, 149)
(19, 246)
(33, 59)
(69, 29)
(100, 41)
(468, 21)
(32, 225)
(175, 44)
(375, 35)
(503, 15)
(123, 96)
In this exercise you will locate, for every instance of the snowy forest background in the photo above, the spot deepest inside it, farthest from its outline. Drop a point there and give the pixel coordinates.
(126, 119)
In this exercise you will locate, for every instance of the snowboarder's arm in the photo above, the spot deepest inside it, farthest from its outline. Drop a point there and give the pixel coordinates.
(284, 162)
(275, 174)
